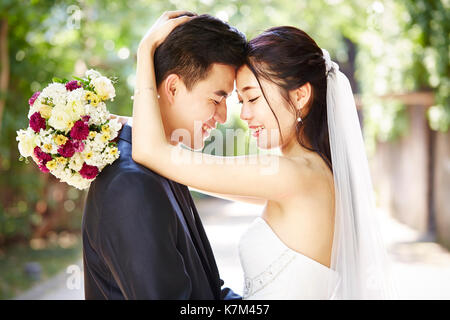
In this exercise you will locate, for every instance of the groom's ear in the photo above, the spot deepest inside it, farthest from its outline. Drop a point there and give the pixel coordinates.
(171, 85)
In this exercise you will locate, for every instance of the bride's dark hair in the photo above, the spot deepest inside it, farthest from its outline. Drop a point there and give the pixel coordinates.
(290, 58)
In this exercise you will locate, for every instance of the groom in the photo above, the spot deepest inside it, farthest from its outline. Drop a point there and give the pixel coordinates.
(142, 235)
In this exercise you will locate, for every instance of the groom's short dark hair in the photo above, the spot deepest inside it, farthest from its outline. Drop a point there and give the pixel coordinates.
(191, 49)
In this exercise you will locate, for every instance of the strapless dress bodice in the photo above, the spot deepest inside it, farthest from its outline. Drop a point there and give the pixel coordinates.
(274, 271)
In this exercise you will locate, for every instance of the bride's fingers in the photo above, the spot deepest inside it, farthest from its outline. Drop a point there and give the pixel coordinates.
(123, 120)
(168, 27)
(180, 20)
(177, 13)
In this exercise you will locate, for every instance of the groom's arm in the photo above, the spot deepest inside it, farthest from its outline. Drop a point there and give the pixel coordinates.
(138, 240)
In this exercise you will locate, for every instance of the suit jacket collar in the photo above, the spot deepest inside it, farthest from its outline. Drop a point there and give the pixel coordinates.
(125, 133)
(197, 234)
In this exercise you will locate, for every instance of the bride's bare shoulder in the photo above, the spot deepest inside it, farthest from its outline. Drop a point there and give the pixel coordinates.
(320, 176)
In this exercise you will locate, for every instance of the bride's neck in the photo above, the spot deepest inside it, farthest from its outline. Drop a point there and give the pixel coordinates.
(293, 149)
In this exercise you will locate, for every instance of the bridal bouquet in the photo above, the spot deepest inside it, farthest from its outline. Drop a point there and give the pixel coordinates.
(70, 134)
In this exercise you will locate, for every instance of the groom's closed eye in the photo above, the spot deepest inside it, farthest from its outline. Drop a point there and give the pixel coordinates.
(221, 93)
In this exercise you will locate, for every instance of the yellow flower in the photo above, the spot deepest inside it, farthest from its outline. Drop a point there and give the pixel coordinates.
(47, 147)
(88, 155)
(60, 139)
(51, 165)
(88, 95)
(61, 160)
(45, 111)
(105, 128)
(105, 137)
(92, 134)
(113, 151)
(95, 100)
(92, 98)
(69, 125)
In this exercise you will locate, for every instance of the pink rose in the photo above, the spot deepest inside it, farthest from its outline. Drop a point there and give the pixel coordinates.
(43, 168)
(33, 98)
(78, 145)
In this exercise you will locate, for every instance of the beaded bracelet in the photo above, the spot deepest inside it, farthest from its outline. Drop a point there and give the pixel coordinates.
(139, 90)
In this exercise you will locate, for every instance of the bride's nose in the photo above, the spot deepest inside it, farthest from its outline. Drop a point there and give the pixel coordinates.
(245, 113)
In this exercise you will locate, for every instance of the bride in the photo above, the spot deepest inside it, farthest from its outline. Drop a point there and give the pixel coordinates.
(317, 237)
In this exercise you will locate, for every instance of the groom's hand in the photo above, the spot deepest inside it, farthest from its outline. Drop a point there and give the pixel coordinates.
(162, 28)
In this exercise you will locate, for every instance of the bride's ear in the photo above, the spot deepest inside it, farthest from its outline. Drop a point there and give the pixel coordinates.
(301, 96)
(171, 85)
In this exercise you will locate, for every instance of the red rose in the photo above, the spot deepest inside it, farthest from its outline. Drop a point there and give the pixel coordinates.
(79, 131)
(72, 85)
(88, 172)
(42, 156)
(37, 122)
(67, 150)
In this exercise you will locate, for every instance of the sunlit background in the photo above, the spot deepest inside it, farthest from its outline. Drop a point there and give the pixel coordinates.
(395, 53)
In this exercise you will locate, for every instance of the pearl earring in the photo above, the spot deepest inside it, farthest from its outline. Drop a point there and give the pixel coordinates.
(299, 119)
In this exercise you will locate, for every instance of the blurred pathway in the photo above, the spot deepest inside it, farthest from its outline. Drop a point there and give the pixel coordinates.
(422, 269)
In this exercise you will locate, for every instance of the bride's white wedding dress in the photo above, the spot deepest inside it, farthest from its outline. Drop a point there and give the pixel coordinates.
(274, 271)
(359, 265)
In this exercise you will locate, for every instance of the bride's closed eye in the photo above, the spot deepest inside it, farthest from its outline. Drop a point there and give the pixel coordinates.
(251, 100)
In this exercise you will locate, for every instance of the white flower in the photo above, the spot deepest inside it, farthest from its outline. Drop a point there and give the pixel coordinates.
(114, 127)
(79, 182)
(76, 162)
(56, 92)
(92, 74)
(62, 118)
(98, 114)
(34, 108)
(75, 103)
(103, 88)
(27, 142)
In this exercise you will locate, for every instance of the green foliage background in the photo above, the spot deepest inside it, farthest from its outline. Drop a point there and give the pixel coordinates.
(400, 46)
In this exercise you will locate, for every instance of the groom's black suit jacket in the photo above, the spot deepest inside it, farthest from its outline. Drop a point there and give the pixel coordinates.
(143, 238)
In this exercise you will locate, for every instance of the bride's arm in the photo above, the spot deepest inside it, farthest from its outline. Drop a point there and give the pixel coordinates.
(268, 177)
(257, 201)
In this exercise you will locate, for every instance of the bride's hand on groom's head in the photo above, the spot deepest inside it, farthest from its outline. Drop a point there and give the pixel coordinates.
(168, 21)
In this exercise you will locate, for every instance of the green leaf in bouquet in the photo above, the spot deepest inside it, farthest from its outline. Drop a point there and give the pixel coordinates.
(79, 79)
(56, 79)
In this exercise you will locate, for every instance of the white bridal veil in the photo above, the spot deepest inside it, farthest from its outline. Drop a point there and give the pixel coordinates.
(358, 255)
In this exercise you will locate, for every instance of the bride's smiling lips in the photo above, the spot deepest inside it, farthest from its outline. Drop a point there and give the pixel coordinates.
(256, 130)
